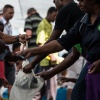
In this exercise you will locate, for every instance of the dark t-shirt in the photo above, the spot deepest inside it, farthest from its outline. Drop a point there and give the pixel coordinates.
(87, 34)
(67, 16)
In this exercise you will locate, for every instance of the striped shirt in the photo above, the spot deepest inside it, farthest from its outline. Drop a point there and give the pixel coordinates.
(31, 23)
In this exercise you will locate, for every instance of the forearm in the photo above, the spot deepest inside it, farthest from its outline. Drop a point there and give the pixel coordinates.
(9, 39)
(67, 62)
(55, 35)
(37, 59)
(46, 49)
(71, 80)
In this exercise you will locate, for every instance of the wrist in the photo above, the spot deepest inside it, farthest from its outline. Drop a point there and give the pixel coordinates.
(17, 38)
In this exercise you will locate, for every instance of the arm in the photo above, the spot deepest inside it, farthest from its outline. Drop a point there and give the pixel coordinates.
(65, 79)
(50, 47)
(46, 49)
(8, 39)
(68, 61)
(66, 41)
(55, 35)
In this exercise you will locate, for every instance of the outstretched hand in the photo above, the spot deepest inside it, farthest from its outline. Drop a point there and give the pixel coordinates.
(45, 74)
(25, 53)
(27, 69)
(63, 79)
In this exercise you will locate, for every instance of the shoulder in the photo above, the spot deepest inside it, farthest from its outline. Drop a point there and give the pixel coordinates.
(68, 9)
(36, 16)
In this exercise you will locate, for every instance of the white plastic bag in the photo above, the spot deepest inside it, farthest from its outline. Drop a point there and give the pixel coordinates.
(26, 86)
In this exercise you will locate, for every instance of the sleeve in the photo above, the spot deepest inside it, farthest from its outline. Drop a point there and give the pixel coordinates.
(78, 47)
(62, 19)
(40, 39)
(28, 25)
(41, 32)
(71, 38)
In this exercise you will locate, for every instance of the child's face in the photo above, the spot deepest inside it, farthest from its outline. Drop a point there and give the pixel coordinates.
(1, 28)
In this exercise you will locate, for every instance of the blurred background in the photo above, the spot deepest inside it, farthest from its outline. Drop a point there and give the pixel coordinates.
(21, 6)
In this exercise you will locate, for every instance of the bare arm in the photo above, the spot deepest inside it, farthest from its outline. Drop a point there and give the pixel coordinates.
(8, 39)
(65, 79)
(46, 49)
(67, 62)
(50, 47)
(55, 35)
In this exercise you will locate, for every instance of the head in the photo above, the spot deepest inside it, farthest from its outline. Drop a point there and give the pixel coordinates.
(16, 47)
(31, 11)
(1, 26)
(88, 6)
(8, 12)
(60, 3)
(51, 14)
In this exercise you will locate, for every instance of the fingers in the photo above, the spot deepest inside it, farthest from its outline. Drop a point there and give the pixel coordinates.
(62, 79)
(27, 71)
(91, 70)
(40, 74)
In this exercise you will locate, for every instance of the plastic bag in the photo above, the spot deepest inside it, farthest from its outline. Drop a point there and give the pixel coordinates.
(26, 85)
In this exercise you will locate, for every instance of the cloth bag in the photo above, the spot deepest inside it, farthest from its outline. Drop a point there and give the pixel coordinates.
(26, 85)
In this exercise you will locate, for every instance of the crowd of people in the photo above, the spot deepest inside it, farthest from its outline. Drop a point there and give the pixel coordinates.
(72, 77)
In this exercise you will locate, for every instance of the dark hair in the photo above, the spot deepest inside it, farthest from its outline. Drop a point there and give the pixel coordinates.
(97, 1)
(51, 10)
(30, 10)
(6, 7)
(16, 45)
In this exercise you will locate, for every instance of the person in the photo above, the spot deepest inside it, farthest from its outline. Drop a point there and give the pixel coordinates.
(68, 14)
(30, 27)
(31, 24)
(45, 29)
(16, 48)
(4, 54)
(2, 43)
(88, 35)
(8, 12)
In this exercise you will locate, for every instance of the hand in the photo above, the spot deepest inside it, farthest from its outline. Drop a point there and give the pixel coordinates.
(52, 58)
(5, 83)
(18, 65)
(13, 57)
(28, 68)
(26, 53)
(95, 68)
(63, 79)
(23, 38)
(45, 74)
